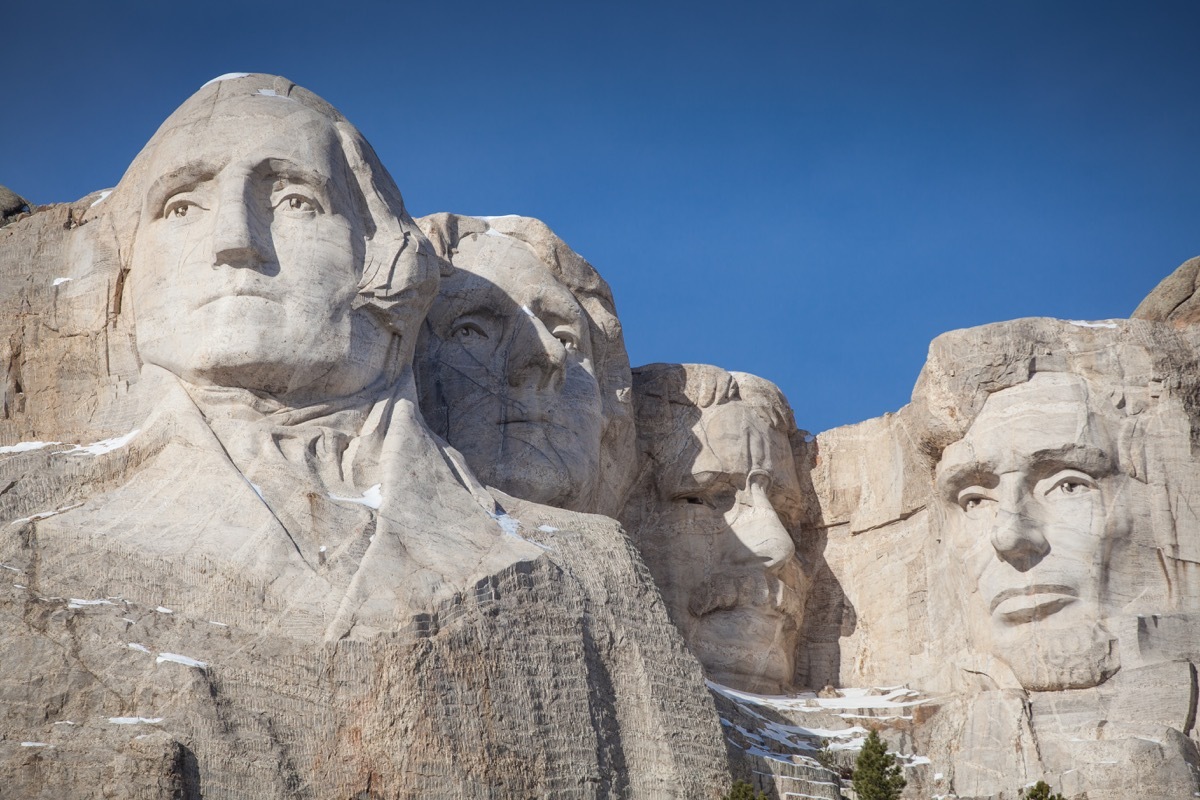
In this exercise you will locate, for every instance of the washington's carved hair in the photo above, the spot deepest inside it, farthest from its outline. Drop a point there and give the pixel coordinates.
(399, 275)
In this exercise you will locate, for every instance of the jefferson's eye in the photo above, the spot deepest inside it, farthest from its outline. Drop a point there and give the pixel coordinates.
(567, 337)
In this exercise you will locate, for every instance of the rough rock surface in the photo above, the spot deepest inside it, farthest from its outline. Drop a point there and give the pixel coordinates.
(239, 557)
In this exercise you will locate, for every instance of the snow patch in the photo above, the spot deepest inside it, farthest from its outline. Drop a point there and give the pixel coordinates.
(371, 498)
(1082, 323)
(44, 515)
(6, 566)
(103, 195)
(547, 529)
(268, 93)
(228, 76)
(175, 658)
(35, 744)
(75, 602)
(60, 281)
(214, 622)
(164, 610)
(134, 720)
(66, 722)
(104, 445)
(21, 447)
(501, 216)
(528, 313)
(141, 648)
(494, 232)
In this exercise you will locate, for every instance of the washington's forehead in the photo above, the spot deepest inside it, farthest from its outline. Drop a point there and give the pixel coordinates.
(267, 126)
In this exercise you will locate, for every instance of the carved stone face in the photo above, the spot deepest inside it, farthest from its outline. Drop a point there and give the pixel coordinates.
(720, 552)
(248, 253)
(508, 377)
(1034, 491)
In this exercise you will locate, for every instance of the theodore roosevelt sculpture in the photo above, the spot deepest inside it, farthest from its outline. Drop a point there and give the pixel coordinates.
(522, 367)
(717, 491)
(277, 284)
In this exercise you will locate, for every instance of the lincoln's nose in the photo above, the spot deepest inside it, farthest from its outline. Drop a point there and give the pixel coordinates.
(1016, 536)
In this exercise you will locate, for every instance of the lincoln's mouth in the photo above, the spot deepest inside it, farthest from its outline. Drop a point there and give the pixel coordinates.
(1031, 603)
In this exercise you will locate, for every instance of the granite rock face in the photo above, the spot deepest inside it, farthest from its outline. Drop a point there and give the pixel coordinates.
(303, 498)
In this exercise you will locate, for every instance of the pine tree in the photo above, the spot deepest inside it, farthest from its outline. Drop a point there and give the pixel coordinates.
(1039, 791)
(743, 791)
(876, 774)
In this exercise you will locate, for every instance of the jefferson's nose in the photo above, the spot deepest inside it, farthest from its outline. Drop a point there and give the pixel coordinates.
(761, 538)
(1017, 536)
(235, 238)
(537, 356)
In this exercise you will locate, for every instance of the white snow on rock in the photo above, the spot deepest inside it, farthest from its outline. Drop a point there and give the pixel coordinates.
(371, 498)
(60, 281)
(21, 447)
(134, 720)
(104, 445)
(103, 195)
(228, 76)
(44, 514)
(66, 722)
(214, 622)
(268, 93)
(75, 602)
(35, 744)
(6, 566)
(1082, 323)
(175, 658)
(164, 610)
(141, 648)
(547, 529)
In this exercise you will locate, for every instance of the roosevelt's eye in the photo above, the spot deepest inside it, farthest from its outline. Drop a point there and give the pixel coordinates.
(468, 331)
(973, 499)
(567, 336)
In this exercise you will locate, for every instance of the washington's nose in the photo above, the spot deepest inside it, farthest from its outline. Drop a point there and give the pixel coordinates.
(761, 537)
(538, 357)
(234, 235)
(1016, 536)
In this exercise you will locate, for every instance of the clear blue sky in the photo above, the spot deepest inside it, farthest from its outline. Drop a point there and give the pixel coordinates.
(809, 191)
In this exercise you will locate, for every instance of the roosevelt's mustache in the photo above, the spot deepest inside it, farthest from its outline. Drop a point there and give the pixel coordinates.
(745, 590)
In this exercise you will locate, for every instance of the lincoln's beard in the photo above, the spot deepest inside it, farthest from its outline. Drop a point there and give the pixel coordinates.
(1063, 658)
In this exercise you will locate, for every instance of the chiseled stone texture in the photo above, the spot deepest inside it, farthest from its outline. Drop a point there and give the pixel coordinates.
(243, 568)
(1021, 539)
(522, 366)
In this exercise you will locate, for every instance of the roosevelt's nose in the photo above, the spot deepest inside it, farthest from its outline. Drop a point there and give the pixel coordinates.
(761, 538)
(236, 230)
(1017, 535)
(537, 356)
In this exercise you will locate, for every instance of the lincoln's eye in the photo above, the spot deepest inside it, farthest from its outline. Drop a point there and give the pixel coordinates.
(179, 211)
(972, 503)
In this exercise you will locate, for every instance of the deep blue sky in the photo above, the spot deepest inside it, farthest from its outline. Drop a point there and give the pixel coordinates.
(809, 191)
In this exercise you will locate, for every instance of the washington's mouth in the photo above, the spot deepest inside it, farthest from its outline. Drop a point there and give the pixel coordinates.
(1031, 603)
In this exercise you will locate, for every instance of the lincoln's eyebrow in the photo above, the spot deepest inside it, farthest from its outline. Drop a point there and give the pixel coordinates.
(180, 179)
(1083, 457)
(956, 474)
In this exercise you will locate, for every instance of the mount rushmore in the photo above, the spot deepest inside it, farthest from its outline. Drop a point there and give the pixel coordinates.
(302, 497)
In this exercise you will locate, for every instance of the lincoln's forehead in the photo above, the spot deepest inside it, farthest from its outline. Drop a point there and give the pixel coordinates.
(1047, 418)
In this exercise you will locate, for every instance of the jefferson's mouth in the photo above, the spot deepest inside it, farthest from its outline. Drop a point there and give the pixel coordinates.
(763, 593)
(1031, 603)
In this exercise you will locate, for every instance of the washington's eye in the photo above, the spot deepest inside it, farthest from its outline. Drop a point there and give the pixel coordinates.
(297, 203)
(567, 337)
(179, 208)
